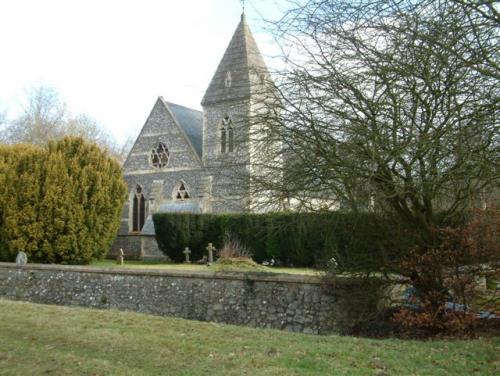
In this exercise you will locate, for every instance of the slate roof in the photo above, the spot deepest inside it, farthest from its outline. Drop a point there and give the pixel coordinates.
(191, 121)
(172, 207)
(243, 59)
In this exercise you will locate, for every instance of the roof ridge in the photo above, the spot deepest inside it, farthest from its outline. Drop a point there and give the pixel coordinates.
(181, 128)
(180, 105)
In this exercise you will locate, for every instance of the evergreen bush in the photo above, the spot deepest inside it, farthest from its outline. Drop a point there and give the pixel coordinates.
(59, 204)
(357, 241)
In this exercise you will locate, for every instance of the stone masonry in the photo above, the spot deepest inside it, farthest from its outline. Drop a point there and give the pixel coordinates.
(262, 300)
(215, 179)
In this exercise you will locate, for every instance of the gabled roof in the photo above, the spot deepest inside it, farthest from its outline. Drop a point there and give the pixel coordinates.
(191, 122)
(245, 64)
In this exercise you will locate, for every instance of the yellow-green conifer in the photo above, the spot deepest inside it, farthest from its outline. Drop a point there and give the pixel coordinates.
(59, 204)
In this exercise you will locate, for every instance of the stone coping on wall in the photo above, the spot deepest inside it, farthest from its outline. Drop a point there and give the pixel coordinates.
(245, 276)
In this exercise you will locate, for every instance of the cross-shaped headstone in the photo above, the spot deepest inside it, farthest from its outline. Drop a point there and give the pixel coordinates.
(210, 250)
(187, 252)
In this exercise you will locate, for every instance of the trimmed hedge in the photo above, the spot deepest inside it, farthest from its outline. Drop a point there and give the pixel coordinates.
(357, 241)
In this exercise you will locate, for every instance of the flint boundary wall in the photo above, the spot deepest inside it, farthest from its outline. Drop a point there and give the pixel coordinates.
(289, 302)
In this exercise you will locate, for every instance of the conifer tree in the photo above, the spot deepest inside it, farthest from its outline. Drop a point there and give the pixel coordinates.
(59, 204)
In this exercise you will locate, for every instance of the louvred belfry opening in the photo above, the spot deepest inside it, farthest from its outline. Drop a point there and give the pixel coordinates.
(227, 135)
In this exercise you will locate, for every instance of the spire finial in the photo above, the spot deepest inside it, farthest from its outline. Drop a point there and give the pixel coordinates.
(243, 6)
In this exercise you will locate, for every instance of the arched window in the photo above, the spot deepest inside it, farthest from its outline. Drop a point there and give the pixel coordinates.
(181, 192)
(230, 138)
(223, 136)
(160, 155)
(138, 210)
(227, 135)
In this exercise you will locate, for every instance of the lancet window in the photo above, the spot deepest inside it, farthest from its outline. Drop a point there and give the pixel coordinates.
(138, 209)
(227, 135)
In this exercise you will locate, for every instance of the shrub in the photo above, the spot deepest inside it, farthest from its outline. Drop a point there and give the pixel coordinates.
(448, 270)
(357, 241)
(428, 322)
(59, 204)
(233, 248)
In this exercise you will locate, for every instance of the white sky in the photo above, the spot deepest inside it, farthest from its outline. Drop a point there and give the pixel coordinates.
(111, 59)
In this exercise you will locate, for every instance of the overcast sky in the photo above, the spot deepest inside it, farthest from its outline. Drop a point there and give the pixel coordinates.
(111, 59)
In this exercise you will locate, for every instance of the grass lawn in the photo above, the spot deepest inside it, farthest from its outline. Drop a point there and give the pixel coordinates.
(41, 339)
(164, 266)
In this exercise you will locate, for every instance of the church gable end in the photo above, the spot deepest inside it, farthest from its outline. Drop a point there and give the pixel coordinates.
(188, 161)
(163, 144)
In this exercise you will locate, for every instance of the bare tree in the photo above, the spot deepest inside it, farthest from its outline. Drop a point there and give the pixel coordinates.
(387, 105)
(41, 119)
(487, 9)
(479, 47)
(383, 103)
(44, 117)
(89, 128)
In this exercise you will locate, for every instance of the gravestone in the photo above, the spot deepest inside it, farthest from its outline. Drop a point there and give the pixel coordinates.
(119, 258)
(210, 250)
(21, 258)
(187, 252)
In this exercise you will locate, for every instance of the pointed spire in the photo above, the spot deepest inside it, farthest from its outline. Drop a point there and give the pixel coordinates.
(240, 69)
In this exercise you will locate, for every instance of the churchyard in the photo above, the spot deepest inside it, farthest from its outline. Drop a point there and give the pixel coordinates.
(338, 216)
(134, 264)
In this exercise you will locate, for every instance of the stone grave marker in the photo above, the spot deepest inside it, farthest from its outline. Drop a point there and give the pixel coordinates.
(187, 252)
(119, 258)
(21, 258)
(211, 251)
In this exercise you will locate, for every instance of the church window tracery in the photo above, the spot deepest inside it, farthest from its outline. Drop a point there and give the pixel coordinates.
(138, 209)
(227, 135)
(181, 192)
(160, 156)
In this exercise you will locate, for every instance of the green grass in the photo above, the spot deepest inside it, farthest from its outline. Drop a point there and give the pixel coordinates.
(41, 339)
(238, 265)
(164, 266)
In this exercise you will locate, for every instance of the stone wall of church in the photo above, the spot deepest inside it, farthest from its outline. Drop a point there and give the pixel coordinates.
(160, 127)
(289, 302)
(193, 180)
(228, 170)
(130, 244)
(183, 165)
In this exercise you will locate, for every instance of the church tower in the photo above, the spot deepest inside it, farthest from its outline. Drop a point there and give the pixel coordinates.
(186, 161)
(228, 105)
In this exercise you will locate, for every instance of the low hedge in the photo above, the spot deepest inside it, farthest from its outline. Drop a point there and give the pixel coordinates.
(357, 241)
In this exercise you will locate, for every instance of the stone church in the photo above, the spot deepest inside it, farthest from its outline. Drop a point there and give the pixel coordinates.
(185, 160)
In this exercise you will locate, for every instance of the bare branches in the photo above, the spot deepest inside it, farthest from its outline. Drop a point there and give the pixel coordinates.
(383, 104)
(44, 117)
